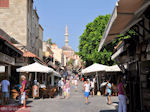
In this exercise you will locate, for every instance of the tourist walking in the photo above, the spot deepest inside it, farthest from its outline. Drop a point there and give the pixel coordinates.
(86, 91)
(108, 91)
(5, 90)
(122, 97)
(92, 87)
(61, 85)
(23, 90)
(67, 88)
(76, 84)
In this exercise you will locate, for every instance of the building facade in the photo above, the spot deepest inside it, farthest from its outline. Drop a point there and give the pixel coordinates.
(23, 20)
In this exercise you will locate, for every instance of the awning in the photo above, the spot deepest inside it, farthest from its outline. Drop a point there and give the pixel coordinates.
(35, 67)
(124, 16)
(95, 68)
(56, 74)
(113, 68)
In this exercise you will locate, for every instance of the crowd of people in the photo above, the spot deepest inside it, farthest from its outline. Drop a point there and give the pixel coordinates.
(64, 90)
(64, 86)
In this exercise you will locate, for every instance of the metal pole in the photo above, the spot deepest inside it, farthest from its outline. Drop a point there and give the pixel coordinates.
(97, 82)
(35, 75)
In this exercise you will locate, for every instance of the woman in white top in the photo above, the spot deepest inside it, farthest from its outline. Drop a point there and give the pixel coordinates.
(86, 91)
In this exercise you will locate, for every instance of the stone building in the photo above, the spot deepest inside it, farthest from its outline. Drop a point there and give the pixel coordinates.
(20, 21)
(40, 41)
(57, 53)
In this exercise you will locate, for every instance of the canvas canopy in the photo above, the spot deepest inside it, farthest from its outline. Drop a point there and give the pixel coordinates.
(125, 15)
(95, 68)
(113, 68)
(56, 74)
(35, 67)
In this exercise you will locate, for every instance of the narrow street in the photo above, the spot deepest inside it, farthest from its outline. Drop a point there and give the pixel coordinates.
(74, 104)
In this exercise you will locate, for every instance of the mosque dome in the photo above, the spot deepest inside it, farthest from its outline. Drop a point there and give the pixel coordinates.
(67, 48)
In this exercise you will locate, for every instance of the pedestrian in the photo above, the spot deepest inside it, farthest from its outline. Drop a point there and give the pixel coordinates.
(61, 85)
(67, 88)
(86, 91)
(5, 90)
(23, 90)
(65, 91)
(108, 91)
(114, 90)
(82, 79)
(94, 80)
(122, 97)
(76, 84)
(92, 87)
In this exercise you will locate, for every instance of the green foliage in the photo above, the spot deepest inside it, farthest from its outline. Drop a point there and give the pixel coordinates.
(49, 41)
(89, 43)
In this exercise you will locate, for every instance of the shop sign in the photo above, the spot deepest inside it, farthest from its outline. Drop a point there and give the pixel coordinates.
(2, 69)
(7, 59)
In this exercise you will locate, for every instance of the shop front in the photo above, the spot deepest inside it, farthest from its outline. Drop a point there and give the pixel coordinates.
(134, 51)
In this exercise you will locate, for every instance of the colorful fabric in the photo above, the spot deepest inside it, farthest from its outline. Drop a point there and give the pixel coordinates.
(23, 84)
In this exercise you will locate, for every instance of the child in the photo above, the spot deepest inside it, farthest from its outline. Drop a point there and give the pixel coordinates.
(65, 92)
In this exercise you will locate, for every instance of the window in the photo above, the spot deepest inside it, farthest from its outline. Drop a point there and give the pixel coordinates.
(4, 3)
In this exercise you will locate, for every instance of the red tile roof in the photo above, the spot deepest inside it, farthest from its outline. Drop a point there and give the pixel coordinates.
(28, 54)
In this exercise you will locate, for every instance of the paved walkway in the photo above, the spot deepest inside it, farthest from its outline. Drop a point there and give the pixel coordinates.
(74, 104)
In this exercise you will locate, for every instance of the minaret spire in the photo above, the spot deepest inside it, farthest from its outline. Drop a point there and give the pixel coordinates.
(66, 36)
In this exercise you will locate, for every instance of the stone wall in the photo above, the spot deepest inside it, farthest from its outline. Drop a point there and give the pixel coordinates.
(13, 20)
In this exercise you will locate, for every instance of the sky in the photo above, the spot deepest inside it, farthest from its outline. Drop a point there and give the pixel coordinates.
(76, 14)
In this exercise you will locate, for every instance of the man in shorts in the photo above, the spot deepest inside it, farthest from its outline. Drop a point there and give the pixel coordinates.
(5, 90)
(86, 91)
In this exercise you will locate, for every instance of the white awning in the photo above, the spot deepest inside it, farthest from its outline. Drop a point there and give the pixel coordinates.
(95, 68)
(124, 16)
(113, 68)
(56, 74)
(35, 67)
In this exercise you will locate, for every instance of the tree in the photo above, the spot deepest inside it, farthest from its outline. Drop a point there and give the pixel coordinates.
(49, 41)
(89, 43)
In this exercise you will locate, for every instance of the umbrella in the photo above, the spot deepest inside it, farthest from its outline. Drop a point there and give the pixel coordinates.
(35, 67)
(113, 68)
(103, 84)
(95, 68)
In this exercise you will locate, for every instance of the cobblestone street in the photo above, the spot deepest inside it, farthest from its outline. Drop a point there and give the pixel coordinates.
(74, 104)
